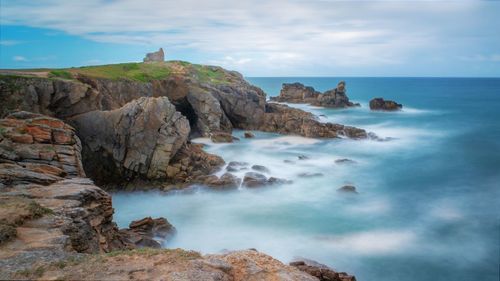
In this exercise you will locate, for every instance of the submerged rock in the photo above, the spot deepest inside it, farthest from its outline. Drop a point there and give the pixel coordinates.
(253, 179)
(235, 166)
(260, 168)
(344, 161)
(310, 175)
(226, 181)
(386, 105)
(348, 189)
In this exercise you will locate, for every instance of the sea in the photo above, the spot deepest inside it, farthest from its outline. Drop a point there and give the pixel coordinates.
(427, 202)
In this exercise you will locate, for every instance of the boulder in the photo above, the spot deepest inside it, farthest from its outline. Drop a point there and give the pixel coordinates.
(344, 161)
(235, 166)
(348, 189)
(253, 179)
(226, 181)
(249, 135)
(157, 56)
(384, 105)
(218, 137)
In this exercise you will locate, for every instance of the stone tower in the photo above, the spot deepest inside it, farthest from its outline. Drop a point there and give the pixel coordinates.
(155, 56)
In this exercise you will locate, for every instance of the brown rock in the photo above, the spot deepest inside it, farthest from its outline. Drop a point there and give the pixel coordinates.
(348, 189)
(219, 137)
(321, 271)
(40, 133)
(21, 138)
(386, 105)
(61, 136)
(249, 135)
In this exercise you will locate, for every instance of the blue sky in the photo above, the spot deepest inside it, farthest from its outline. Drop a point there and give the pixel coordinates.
(259, 38)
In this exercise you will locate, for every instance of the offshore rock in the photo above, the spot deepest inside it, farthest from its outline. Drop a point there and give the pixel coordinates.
(142, 233)
(385, 105)
(321, 271)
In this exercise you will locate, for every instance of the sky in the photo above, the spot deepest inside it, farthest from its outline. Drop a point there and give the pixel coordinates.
(259, 38)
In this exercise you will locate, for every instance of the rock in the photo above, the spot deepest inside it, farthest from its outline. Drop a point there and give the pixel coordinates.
(139, 139)
(386, 105)
(273, 180)
(226, 181)
(303, 157)
(260, 168)
(310, 175)
(321, 271)
(219, 137)
(298, 93)
(344, 161)
(253, 179)
(348, 189)
(249, 135)
(235, 166)
(289, 161)
(7, 233)
(286, 120)
(142, 233)
(158, 56)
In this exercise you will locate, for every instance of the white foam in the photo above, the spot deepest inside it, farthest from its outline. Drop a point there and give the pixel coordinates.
(376, 242)
(288, 141)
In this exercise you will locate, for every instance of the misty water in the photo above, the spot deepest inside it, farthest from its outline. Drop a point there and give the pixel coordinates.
(427, 207)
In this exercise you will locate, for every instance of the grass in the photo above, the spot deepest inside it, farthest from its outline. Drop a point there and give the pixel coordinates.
(60, 74)
(139, 72)
(148, 252)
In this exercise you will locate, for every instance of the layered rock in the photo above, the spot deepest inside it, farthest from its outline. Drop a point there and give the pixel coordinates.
(286, 120)
(321, 271)
(385, 105)
(298, 93)
(148, 232)
(48, 209)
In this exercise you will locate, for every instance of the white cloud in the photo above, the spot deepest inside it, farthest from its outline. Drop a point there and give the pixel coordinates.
(275, 35)
(19, 58)
(481, 58)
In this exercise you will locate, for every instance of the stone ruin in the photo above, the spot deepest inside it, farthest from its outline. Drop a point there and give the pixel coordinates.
(155, 56)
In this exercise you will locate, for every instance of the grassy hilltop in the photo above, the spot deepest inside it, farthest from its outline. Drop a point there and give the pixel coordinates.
(141, 72)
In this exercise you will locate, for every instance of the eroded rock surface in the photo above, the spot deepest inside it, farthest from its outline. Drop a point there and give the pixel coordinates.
(157, 56)
(298, 93)
(321, 271)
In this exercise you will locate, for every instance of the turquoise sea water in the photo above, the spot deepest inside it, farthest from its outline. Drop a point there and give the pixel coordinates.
(428, 202)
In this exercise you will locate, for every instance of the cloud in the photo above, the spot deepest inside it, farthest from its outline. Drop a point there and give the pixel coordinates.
(19, 58)
(275, 35)
(481, 58)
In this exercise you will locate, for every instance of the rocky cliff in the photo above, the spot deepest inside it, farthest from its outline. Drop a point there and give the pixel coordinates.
(298, 93)
(135, 120)
(56, 224)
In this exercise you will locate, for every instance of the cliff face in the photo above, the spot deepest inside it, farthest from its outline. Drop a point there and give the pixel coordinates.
(48, 208)
(133, 130)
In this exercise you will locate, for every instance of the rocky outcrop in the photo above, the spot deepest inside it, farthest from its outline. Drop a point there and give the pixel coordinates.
(157, 56)
(45, 199)
(385, 105)
(298, 93)
(148, 232)
(348, 189)
(321, 271)
(286, 120)
(139, 139)
(166, 264)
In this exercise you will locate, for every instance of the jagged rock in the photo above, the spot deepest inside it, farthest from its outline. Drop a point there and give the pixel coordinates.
(303, 157)
(286, 120)
(348, 189)
(321, 271)
(260, 168)
(139, 139)
(298, 93)
(155, 56)
(386, 105)
(142, 233)
(273, 180)
(249, 135)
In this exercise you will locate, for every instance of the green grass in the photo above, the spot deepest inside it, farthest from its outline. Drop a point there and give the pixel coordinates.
(60, 74)
(141, 72)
